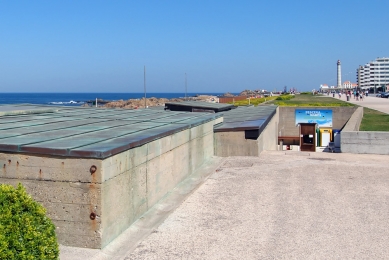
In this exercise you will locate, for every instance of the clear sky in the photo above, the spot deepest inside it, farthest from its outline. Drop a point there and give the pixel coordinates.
(103, 46)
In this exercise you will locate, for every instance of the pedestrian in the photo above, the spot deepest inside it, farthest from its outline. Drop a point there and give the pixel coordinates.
(340, 94)
(356, 95)
(361, 96)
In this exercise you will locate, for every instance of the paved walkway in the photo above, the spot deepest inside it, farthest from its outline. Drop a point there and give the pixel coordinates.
(373, 102)
(280, 205)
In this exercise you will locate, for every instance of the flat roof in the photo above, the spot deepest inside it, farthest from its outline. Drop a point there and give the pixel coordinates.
(216, 107)
(87, 132)
(246, 118)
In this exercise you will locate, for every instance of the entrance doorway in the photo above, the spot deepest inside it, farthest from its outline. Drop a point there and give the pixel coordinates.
(308, 137)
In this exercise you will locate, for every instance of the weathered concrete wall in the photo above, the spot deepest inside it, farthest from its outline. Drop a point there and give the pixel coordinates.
(268, 139)
(146, 174)
(367, 142)
(65, 187)
(122, 188)
(355, 120)
(287, 125)
(235, 144)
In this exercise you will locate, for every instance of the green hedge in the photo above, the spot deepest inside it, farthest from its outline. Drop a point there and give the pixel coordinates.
(25, 230)
(253, 101)
(313, 104)
(285, 97)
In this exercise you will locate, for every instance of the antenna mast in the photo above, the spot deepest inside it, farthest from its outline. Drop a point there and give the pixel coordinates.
(144, 80)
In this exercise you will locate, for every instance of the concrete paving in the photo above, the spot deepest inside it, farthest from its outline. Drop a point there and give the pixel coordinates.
(371, 101)
(280, 205)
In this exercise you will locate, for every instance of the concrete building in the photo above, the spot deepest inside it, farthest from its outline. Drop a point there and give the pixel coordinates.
(325, 88)
(374, 74)
(349, 85)
(96, 171)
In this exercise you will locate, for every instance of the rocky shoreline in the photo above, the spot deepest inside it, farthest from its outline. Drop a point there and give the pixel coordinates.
(153, 101)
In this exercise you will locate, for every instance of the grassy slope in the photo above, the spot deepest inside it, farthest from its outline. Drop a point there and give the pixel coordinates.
(309, 100)
(374, 121)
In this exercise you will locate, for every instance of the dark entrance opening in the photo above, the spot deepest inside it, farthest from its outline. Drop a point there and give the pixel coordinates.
(307, 137)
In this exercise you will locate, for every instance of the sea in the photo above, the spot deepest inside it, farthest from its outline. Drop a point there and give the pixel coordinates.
(78, 99)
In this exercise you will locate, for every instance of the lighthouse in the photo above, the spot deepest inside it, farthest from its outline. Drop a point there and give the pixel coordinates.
(339, 76)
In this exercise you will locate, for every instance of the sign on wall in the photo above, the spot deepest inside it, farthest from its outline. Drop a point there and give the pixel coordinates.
(323, 118)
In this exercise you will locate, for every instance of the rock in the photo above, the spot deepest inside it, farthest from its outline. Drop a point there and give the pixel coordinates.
(228, 94)
(153, 101)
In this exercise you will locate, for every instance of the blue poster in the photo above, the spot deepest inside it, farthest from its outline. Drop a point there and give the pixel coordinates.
(321, 117)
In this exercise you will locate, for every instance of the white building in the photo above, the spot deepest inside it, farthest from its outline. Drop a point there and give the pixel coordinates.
(374, 74)
(349, 85)
(323, 86)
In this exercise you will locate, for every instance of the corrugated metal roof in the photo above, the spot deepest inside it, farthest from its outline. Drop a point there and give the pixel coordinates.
(88, 132)
(246, 118)
(185, 105)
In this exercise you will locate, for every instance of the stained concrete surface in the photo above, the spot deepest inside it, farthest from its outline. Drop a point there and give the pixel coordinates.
(280, 205)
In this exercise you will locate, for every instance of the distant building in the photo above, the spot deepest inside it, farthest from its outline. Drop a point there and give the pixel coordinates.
(374, 74)
(349, 85)
(325, 87)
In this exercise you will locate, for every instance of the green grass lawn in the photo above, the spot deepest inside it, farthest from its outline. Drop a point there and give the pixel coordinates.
(309, 100)
(301, 100)
(374, 120)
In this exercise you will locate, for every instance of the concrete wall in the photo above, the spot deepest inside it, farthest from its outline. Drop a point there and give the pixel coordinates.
(287, 126)
(90, 210)
(367, 142)
(268, 139)
(355, 120)
(65, 187)
(235, 144)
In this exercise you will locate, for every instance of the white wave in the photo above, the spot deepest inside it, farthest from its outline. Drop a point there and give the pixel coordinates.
(64, 103)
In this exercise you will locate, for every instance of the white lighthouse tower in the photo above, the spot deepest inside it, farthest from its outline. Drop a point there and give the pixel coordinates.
(339, 76)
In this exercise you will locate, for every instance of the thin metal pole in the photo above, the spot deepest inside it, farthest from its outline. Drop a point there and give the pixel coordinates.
(186, 87)
(145, 83)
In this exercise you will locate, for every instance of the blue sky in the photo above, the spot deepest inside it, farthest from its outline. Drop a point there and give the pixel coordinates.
(103, 46)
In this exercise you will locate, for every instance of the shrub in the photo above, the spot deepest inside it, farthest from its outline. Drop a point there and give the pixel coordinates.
(313, 104)
(253, 101)
(285, 97)
(25, 230)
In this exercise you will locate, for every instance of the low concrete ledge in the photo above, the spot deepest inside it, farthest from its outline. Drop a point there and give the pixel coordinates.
(355, 120)
(365, 142)
(362, 142)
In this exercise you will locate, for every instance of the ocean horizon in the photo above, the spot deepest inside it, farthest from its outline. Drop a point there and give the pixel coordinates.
(78, 99)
